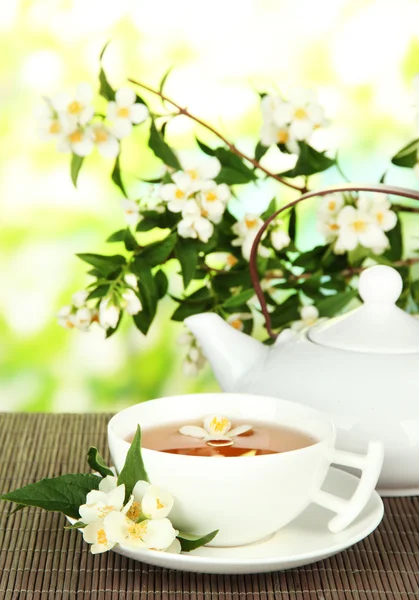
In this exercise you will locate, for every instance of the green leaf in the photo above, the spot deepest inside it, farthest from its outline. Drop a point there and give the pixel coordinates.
(260, 151)
(158, 252)
(414, 290)
(233, 169)
(97, 463)
(164, 79)
(98, 292)
(292, 224)
(162, 284)
(77, 525)
(357, 256)
(118, 236)
(133, 469)
(309, 161)
(103, 50)
(239, 299)
(286, 312)
(190, 542)
(395, 238)
(148, 295)
(161, 149)
(271, 209)
(116, 176)
(407, 156)
(105, 264)
(200, 301)
(60, 494)
(332, 305)
(187, 255)
(206, 149)
(105, 88)
(309, 260)
(130, 241)
(76, 163)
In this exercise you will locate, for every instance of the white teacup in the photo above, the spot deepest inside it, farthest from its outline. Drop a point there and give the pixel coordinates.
(246, 498)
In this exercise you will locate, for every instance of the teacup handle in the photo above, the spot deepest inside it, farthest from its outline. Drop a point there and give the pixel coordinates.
(347, 510)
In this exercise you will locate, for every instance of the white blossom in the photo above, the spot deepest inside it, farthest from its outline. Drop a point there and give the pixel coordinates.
(152, 501)
(99, 503)
(132, 302)
(236, 320)
(95, 534)
(213, 199)
(78, 107)
(379, 207)
(131, 280)
(65, 317)
(51, 127)
(330, 206)
(194, 360)
(201, 170)
(279, 238)
(108, 314)
(176, 194)
(79, 298)
(82, 318)
(157, 534)
(309, 317)
(76, 140)
(301, 112)
(246, 229)
(193, 224)
(125, 112)
(103, 139)
(215, 427)
(131, 212)
(359, 227)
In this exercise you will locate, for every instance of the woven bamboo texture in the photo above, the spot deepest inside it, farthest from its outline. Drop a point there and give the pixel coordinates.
(39, 560)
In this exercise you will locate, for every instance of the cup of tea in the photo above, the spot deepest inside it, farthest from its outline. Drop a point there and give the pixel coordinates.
(243, 464)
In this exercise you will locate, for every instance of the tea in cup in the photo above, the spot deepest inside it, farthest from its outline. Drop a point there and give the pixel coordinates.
(243, 464)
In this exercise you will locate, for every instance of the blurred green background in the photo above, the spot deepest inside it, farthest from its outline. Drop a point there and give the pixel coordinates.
(360, 55)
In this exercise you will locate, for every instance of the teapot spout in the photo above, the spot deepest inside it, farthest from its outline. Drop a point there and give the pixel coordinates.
(229, 351)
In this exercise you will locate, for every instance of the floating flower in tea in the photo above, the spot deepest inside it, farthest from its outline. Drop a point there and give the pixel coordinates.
(216, 431)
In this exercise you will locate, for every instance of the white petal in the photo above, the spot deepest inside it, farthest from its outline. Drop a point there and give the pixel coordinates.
(140, 489)
(373, 237)
(283, 114)
(156, 503)
(346, 216)
(133, 303)
(186, 230)
(89, 513)
(78, 299)
(167, 191)
(389, 220)
(210, 168)
(194, 431)
(300, 96)
(110, 148)
(239, 430)
(116, 497)
(301, 129)
(204, 229)
(269, 134)
(115, 524)
(86, 115)
(176, 205)
(111, 111)
(138, 113)
(182, 180)
(347, 240)
(96, 496)
(160, 534)
(309, 313)
(175, 547)
(83, 148)
(84, 93)
(121, 128)
(125, 96)
(315, 113)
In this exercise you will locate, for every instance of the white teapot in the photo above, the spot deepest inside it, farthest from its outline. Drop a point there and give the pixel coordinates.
(361, 368)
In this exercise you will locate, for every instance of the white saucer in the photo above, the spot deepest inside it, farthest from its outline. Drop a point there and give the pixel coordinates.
(304, 541)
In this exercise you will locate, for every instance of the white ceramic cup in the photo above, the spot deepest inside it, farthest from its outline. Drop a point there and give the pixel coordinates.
(246, 498)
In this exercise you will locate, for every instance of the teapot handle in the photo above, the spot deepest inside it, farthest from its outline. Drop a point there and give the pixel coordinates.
(377, 187)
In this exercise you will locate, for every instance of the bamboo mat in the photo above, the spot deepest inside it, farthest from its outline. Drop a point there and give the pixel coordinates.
(41, 561)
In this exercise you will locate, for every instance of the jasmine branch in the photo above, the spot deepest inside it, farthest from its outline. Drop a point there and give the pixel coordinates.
(230, 146)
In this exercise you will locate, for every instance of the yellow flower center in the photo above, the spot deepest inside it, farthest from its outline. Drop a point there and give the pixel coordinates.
(159, 504)
(75, 136)
(134, 511)
(101, 136)
(193, 174)
(331, 205)
(380, 217)
(69, 324)
(179, 194)
(282, 136)
(333, 226)
(359, 226)
(74, 108)
(218, 424)
(250, 223)
(237, 324)
(123, 112)
(137, 530)
(101, 537)
(300, 113)
(210, 197)
(55, 127)
(105, 511)
(231, 260)
(204, 213)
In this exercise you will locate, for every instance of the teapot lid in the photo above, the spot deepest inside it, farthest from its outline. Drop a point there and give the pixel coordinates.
(377, 326)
